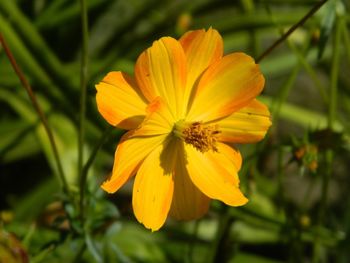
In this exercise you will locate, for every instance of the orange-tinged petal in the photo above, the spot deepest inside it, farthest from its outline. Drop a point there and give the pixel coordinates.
(158, 120)
(247, 125)
(202, 48)
(188, 201)
(120, 101)
(128, 156)
(215, 173)
(225, 87)
(161, 71)
(153, 187)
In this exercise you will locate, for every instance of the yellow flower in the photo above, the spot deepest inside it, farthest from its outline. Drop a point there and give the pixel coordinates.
(184, 107)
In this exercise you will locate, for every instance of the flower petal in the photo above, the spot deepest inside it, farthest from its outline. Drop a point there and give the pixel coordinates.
(188, 201)
(128, 156)
(226, 86)
(161, 71)
(202, 48)
(247, 125)
(158, 120)
(215, 173)
(153, 188)
(120, 101)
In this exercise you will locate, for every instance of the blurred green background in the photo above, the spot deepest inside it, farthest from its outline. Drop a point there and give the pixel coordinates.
(297, 179)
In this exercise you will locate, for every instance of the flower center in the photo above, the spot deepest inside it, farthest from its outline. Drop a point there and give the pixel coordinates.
(202, 137)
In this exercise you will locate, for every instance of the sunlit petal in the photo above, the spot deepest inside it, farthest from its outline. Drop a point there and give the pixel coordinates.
(202, 48)
(215, 173)
(128, 156)
(158, 120)
(120, 101)
(153, 187)
(247, 125)
(225, 87)
(161, 71)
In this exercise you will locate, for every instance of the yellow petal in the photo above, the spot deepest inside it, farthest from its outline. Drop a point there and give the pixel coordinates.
(188, 201)
(128, 156)
(247, 125)
(161, 71)
(215, 173)
(120, 101)
(225, 87)
(153, 188)
(158, 120)
(202, 48)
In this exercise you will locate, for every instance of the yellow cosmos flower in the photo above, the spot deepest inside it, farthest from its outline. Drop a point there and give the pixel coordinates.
(185, 105)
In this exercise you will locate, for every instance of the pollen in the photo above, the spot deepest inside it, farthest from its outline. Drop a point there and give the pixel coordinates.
(202, 137)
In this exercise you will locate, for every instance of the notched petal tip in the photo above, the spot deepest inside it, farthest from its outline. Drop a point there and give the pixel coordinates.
(238, 200)
(107, 186)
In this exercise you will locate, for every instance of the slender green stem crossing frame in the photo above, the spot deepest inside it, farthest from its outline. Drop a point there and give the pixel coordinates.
(291, 30)
(40, 112)
(83, 88)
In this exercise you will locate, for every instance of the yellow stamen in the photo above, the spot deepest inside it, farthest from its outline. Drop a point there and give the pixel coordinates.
(202, 137)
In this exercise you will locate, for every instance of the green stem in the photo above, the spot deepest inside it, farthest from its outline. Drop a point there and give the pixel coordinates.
(38, 109)
(291, 30)
(249, 8)
(35, 42)
(329, 154)
(334, 77)
(83, 84)
(79, 253)
(346, 38)
(88, 164)
(280, 177)
(191, 242)
(218, 254)
(283, 93)
(309, 69)
(301, 55)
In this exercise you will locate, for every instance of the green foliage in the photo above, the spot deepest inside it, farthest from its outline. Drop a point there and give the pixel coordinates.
(296, 179)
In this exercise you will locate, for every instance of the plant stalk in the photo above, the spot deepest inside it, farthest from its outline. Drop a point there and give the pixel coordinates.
(329, 154)
(83, 88)
(291, 30)
(39, 111)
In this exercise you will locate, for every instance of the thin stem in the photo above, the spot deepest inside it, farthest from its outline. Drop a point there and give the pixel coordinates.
(249, 8)
(191, 242)
(309, 69)
(346, 38)
(83, 84)
(284, 92)
(329, 155)
(301, 55)
(79, 253)
(334, 76)
(280, 177)
(331, 114)
(39, 111)
(218, 254)
(88, 164)
(291, 30)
